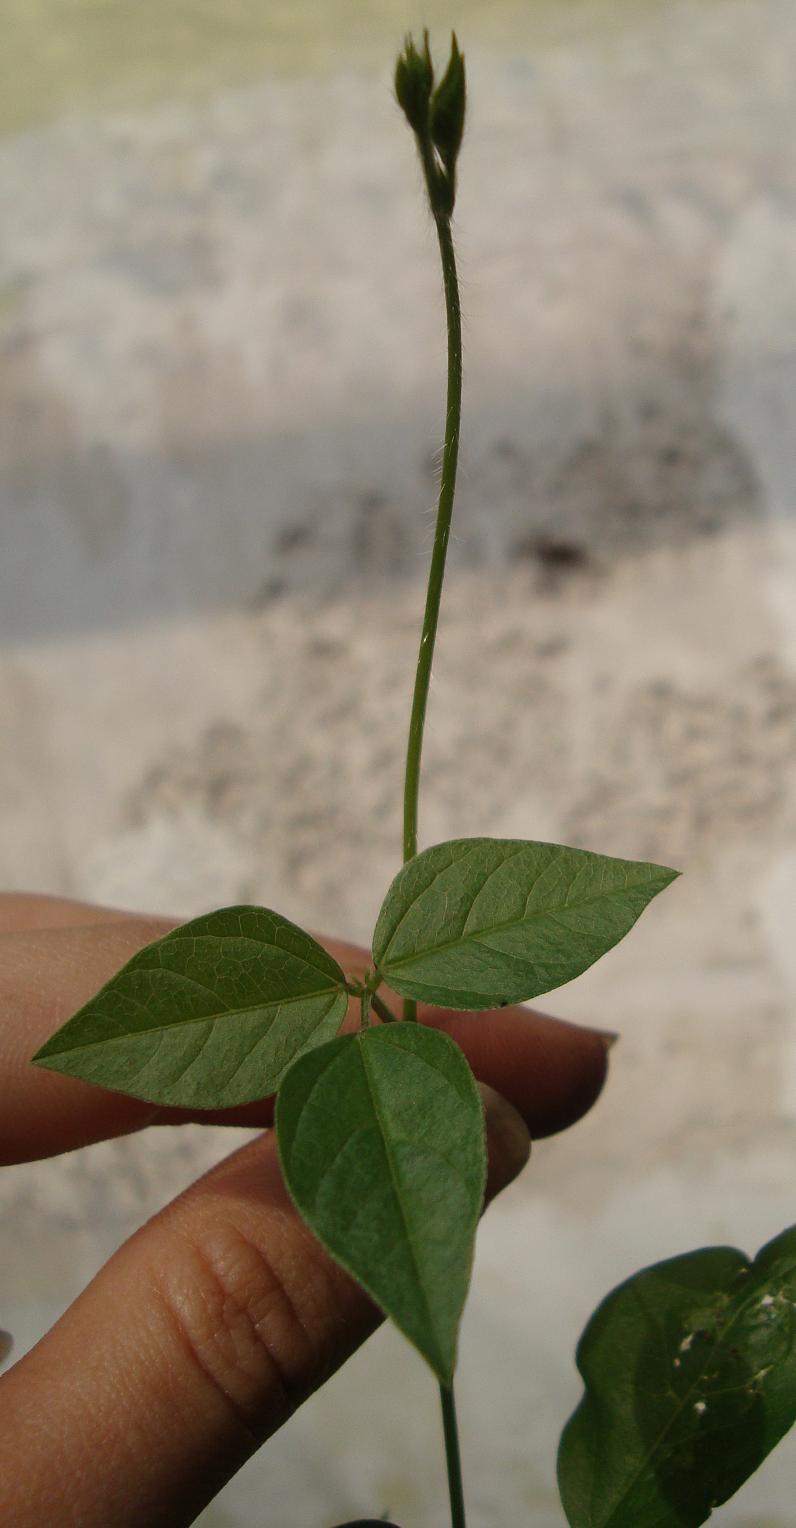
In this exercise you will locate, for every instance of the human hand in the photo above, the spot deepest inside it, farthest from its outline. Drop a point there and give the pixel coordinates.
(233, 1314)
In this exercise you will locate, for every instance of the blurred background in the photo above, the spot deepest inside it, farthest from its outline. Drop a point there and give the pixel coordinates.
(222, 374)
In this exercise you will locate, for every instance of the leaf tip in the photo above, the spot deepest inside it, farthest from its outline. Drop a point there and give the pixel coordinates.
(43, 1056)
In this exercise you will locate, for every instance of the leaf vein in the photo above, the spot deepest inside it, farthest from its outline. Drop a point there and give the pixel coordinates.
(498, 928)
(176, 1024)
(384, 1132)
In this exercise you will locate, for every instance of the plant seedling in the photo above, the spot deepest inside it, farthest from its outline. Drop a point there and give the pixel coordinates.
(381, 1131)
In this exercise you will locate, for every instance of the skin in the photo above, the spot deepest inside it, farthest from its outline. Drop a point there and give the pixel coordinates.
(233, 1314)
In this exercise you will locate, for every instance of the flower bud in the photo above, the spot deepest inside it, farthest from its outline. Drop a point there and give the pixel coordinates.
(414, 82)
(446, 119)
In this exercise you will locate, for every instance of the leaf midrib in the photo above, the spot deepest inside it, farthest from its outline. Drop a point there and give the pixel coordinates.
(207, 1018)
(393, 1179)
(498, 928)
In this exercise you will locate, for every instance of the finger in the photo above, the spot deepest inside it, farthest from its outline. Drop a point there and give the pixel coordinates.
(198, 1339)
(508, 1141)
(45, 975)
(551, 1071)
(25, 910)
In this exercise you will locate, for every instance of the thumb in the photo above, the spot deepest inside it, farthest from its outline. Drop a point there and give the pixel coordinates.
(197, 1340)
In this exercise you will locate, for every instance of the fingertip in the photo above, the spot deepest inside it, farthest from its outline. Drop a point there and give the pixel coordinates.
(551, 1071)
(508, 1141)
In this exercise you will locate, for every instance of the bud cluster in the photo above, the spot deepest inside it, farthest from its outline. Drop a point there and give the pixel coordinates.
(435, 115)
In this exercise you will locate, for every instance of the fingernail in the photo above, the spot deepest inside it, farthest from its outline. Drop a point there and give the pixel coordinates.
(609, 1037)
(508, 1141)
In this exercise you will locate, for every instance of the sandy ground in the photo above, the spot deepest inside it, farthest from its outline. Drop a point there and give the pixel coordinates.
(221, 384)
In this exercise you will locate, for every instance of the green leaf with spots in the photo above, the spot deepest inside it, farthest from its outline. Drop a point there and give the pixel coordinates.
(690, 1375)
(208, 1017)
(381, 1137)
(478, 922)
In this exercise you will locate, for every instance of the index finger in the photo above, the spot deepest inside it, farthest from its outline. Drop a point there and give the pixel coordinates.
(551, 1071)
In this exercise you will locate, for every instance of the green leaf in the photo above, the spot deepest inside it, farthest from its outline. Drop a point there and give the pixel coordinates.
(208, 1017)
(381, 1136)
(690, 1374)
(478, 922)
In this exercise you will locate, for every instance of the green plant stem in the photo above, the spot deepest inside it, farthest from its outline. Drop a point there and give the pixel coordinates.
(452, 1456)
(385, 1014)
(414, 750)
(441, 537)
